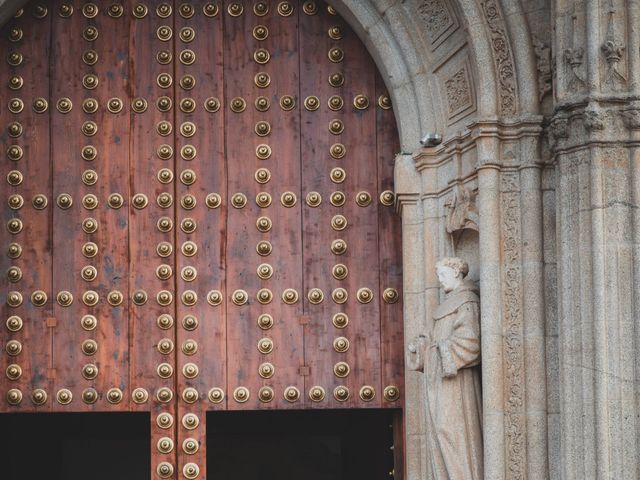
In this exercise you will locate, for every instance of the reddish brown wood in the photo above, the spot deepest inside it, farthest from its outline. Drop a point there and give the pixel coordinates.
(243, 333)
(227, 335)
(390, 254)
(35, 238)
(67, 140)
(317, 233)
(360, 234)
(112, 165)
(144, 235)
(209, 169)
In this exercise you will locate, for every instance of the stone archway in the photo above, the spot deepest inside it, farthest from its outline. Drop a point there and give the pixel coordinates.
(451, 67)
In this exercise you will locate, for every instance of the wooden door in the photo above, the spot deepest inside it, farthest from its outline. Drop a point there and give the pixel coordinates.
(199, 215)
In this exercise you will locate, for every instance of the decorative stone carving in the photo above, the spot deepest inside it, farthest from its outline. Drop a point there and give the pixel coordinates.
(593, 120)
(459, 96)
(502, 57)
(573, 57)
(558, 128)
(463, 213)
(631, 118)
(513, 325)
(613, 52)
(543, 55)
(449, 356)
(437, 18)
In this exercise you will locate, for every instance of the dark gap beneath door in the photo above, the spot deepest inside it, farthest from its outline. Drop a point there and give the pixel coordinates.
(74, 446)
(296, 445)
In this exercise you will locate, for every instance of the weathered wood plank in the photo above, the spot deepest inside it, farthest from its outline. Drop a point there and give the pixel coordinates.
(28, 131)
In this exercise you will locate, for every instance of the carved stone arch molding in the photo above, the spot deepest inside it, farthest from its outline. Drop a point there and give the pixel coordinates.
(467, 69)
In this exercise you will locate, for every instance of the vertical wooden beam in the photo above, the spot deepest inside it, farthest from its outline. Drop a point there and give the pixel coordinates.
(25, 139)
(152, 174)
(390, 256)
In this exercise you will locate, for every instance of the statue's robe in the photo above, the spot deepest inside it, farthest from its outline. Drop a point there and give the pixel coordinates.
(453, 388)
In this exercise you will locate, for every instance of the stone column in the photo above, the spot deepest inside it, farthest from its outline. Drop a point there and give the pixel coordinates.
(598, 304)
(597, 218)
(512, 300)
(491, 309)
(533, 308)
(408, 190)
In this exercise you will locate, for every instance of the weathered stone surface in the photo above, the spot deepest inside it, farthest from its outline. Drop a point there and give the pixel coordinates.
(556, 253)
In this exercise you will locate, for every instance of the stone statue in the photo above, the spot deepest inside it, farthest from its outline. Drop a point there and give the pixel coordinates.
(449, 357)
(463, 213)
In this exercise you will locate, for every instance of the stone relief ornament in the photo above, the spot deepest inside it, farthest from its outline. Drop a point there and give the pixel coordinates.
(573, 57)
(458, 92)
(437, 19)
(502, 56)
(631, 118)
(543, 55)
(449, 357)
(463, 213)
(513, 324)
(593, 120)
(613, 52)
(558, 129)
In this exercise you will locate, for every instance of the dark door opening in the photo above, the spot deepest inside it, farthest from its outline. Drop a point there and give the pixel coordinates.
(295, 445)
(74, 446)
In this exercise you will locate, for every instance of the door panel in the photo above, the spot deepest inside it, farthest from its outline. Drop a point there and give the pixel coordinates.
(359, 338)
(26, 259)
(246, 81)
(238, 170)
(96, 141)
(152, 246)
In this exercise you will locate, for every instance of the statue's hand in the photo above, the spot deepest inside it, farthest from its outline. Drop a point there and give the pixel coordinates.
(415, 353)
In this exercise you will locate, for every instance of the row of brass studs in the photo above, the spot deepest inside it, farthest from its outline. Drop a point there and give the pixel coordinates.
(188, 273)
(164, 10)
(64, 396)
(316, 394)
(164, 298)
(14, 323)
(188, 201)
(38, 11)
(315, 295)
(115, 298)
(164, 249)
(186, 10)
(64, 298)
(190, 395)
(188, 105)
(16, 105)
(260, 9)
(311, 103)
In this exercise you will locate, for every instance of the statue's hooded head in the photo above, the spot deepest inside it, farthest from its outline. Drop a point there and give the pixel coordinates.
(451, 272)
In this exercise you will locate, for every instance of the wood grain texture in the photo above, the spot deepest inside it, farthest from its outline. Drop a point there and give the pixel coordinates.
(227, 60)
(243, 334)
(144, 235)
(209, 263)
(390, 251)
(360, 234)
(35, 239)
(67, 141)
